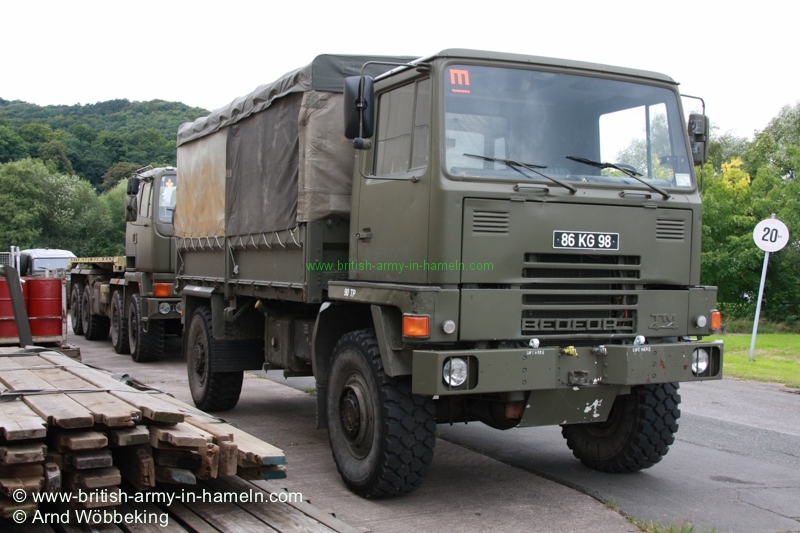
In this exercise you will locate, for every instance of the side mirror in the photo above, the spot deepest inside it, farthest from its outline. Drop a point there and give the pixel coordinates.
(130, 207)
(133, 186)
(359, 110)
(698, 137)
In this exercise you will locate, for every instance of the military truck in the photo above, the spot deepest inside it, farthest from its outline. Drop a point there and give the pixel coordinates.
(470, 236)
(132, 296)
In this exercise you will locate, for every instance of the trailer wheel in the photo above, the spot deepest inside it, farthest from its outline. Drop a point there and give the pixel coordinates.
(144, 345)
(95, 327)
(119, 325)
(381, 435)
(637, 434)
(75, 313)
(211, 391)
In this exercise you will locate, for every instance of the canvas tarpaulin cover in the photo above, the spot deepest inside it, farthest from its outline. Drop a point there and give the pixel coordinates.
(285, 156)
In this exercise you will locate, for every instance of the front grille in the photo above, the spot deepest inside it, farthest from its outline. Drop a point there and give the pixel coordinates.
(571, 266)
(567, 296)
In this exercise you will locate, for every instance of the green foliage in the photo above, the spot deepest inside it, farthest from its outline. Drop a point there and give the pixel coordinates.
(776, 358)
(90, 139)
(41, 208)
(740, 192)
(117, 172)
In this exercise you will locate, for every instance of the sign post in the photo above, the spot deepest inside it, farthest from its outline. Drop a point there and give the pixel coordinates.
(771, 235)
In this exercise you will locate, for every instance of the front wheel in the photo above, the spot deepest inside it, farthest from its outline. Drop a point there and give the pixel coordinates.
(637, 434)
(75, 314)
(211, 391)
(144, 345)
(381, 435)
(119, 326)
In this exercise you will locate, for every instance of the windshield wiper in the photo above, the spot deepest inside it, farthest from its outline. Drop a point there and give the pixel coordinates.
(628, 172)
(528, 166)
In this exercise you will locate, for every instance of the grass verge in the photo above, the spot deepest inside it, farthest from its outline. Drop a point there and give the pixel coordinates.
(777, 358)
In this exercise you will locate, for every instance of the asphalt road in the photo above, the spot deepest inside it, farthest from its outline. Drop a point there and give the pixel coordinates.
(735, 465)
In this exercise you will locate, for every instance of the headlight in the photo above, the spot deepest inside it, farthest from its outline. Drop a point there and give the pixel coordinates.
(179, 307)
(455, 372)
(164, 308)
(700, 359)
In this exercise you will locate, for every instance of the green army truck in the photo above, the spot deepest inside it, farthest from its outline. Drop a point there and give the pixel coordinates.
(470, 236)
(133, 296)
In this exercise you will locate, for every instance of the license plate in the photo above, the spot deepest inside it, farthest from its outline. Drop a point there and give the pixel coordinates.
(583, 240)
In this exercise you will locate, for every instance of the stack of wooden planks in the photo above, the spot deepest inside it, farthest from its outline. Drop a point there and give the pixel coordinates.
(68, 427)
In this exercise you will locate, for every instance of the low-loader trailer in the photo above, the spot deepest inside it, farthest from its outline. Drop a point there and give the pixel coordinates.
(470, 236)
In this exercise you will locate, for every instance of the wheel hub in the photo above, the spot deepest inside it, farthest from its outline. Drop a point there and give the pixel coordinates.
(356, 416)
(199, 360)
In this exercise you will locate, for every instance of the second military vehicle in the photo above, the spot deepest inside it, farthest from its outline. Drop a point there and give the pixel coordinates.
(133, 296)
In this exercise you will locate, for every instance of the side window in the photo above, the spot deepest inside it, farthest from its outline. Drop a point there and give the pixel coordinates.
(403, 129)
(145, 199)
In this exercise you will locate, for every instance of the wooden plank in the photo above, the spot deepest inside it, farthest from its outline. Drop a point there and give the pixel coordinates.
(56, 409)
(262, 472)
(8, 506)
(74, 525)
(188, 519)
(96, 499)
(178, 458)
(152, 407)
(256, 451)
(308, 509)
(89, 459)
(169, 474)
(52, 478)
(30, 485)
(202, 421)
(22, 453)
(210, 463)
(228, 459)
(94, 479)
(279, 516)
(105, 408)
(230, 517)
(181, 435)
(136, 466)
(129, 436)
(79, 440)
(24, 470)
(18, 421)
(153, 520)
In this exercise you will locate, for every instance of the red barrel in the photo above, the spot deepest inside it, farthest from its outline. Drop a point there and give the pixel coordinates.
(8, 328)
(44, 306)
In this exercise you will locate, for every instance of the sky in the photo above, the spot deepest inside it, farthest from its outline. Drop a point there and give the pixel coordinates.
(743, 61)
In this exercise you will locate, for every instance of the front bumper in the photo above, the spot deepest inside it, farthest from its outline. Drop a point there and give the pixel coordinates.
(529, 369)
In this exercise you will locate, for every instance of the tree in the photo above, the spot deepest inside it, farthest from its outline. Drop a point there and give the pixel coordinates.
(12, 146)
(55, 153)
(116, 172)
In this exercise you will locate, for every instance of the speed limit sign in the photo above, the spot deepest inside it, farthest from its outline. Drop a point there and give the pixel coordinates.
(771, 235)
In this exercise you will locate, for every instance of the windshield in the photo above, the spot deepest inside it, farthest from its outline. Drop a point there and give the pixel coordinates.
(40, 264)
(540, 118)
(166, 202)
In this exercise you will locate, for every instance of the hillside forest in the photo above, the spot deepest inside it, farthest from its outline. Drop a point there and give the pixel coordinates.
(62, 171)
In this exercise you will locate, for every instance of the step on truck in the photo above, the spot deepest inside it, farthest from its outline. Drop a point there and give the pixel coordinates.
(133, 296)
(470, 236)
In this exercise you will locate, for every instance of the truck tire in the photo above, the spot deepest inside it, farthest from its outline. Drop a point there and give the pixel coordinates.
(637, 434)
(211, 391)
(24, 264)
(119, 325)
(381, 435)
(144, 345)
(75, 313)
(95, 327)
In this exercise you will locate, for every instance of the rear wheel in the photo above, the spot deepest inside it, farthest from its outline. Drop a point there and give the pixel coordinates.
(381, 435)
(144, 345)
(211, 391)
(637, 434)
(75, 314)
(119, 326)
(95, 327)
